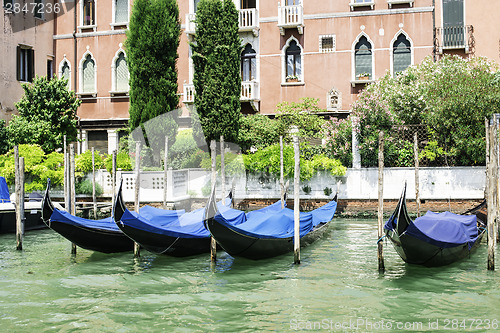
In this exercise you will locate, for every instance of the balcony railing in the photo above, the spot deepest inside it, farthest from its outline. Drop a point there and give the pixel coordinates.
(249, 20)
(291, 17)
(190, 24)
(249, 91)
(189, 92)
(455, 37)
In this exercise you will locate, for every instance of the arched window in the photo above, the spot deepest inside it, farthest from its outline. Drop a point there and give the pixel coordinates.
(65, 72)
(293, 61)
(401, 54)
(363, 57)
(122, 75)
(248, 64)
(88, 75)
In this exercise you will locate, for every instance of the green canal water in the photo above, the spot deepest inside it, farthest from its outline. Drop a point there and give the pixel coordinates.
(336, 288)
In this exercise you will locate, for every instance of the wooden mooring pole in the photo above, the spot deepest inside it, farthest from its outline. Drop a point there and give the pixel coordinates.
(296, 202)
(94, 198)
(417, 177)
(165, 174)
(380, 252)
(113, 179)
(137, 248)
(19, 184)
(282, 181)
(72, 188)
(492, 188)
(222, 168)
(213, 153)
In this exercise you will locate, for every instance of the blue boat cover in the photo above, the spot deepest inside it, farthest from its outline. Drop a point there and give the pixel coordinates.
(65, 217)
(274, 222)
(4, 191)
(443, 229)
(175, 223)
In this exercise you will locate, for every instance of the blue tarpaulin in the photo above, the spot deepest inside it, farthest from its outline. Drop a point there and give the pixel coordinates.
(274, 222)
(4, 191)
(442, 229)
(175, 223)
(65, 217)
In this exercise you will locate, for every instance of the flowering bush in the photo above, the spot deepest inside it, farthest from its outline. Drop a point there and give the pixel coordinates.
(450, 98)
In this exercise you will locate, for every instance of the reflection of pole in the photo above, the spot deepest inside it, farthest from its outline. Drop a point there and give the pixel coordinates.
(282, 182)
(380, 255)
(213, 243)
(113, 179)
(94, 199)
(417, 178)
(222, 167)
(137, 248)
(296, 202)
(165, 174)
(71, 181)
(492, 174)
(19, 174)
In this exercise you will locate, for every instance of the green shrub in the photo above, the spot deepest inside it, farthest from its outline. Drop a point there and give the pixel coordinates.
(85, 187)
(123, 162)
(38, 167)
(83, 162)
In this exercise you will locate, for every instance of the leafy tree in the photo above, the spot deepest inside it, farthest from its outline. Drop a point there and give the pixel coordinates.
(152, 42)
(258, 131)
(47, 112)
(4, 142)
(302, 115)
(38, 167)
(216, 59)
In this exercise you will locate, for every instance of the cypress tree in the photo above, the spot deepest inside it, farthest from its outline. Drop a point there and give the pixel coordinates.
(152, 42)
(216, 59)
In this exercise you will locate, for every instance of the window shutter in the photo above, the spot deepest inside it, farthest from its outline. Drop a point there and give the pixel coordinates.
(31, 64)
(121, 73)
(121, 11)
(18, 63)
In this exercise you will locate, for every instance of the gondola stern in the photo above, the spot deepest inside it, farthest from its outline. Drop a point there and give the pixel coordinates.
(47, 206)
(119, 206)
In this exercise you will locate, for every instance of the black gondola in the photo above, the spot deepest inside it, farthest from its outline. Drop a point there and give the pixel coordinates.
(95, 235)
(170, 232)
(435, 239)
(257, 237)
(32, 211)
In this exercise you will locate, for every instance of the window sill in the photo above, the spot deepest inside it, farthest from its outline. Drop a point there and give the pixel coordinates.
(370, 4)
(118, 93)
(301, 83)
(400, 2)
(119, 25)
(359, 82)
(87, 27)
(87, 94)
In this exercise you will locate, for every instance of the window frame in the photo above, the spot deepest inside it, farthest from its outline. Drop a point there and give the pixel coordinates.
(284, 63)
(25, 63)
(83, 22)
(249, 57)
(393, 41)
(114, 78)
(334, 43)
(61, 68)
(354, 79)
(115, 23)
(82, 92)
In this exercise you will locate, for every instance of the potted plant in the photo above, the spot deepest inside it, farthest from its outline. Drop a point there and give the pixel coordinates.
(292, 78)
(363, 76)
